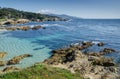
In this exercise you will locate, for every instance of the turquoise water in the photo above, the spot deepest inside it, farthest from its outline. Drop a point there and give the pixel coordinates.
(15, 46)
(40, 43)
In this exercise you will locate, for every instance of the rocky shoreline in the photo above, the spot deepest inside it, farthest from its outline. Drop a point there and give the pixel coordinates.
(23, 28)
(92, 65)
(13, 22)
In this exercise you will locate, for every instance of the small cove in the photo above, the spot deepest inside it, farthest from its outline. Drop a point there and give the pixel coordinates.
(41, 42)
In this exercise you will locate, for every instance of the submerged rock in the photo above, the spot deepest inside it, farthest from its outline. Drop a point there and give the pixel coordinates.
(101, 44)
(3, 54)
(17, 59)
(108, 50)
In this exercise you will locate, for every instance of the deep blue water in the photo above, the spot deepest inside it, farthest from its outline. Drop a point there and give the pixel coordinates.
(59, 34)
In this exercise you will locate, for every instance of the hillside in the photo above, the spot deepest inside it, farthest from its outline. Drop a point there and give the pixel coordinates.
(10, 13)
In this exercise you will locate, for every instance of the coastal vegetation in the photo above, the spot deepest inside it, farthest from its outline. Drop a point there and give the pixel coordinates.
(10, 13)
(10, 16)
(41, 71)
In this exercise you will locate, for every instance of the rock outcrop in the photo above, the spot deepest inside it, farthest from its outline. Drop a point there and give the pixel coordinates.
(103, 61)
(108, 50)
(22, 21)
(13, 22)
(36, 27)
(11, 68)
(91, 66)
(17, 59)
(24, 28)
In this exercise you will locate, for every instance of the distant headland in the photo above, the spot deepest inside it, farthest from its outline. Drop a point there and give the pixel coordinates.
(14, 16)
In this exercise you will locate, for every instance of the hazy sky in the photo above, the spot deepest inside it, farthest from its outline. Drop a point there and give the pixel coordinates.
(80, 8)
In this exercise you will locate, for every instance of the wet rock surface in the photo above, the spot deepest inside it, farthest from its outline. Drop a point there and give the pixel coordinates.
(24, 28)
(17, 59)
(36, 27)
(108, 50)
(91, 65)
(101, 44)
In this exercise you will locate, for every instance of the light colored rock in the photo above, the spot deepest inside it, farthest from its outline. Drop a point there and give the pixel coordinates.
(2, 63)
(3, 54)
(11, 68)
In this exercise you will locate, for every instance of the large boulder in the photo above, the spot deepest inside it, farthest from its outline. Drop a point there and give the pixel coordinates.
(36, 27)
(8, 22)
(21, 21)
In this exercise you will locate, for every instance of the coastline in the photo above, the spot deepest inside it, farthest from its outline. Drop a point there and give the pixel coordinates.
(98, 70)
(92, 65)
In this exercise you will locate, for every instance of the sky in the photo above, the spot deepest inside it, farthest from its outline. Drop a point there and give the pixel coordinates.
(80, 8)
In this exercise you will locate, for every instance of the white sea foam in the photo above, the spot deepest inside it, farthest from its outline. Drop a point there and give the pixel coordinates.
(47, 25)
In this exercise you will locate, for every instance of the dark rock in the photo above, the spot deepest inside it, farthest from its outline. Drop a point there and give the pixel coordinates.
(36, 27)
(7, 23)
(62, 56)
(87, 43)
(69, 57)
(44, 27)
(103, 61)
(101, 44)
(108, 50)
(17, 59)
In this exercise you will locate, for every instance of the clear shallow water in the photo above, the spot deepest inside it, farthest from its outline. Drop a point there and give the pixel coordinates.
(56, 35)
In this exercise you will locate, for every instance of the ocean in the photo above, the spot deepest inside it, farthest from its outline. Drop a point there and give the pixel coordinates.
(40, 43)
